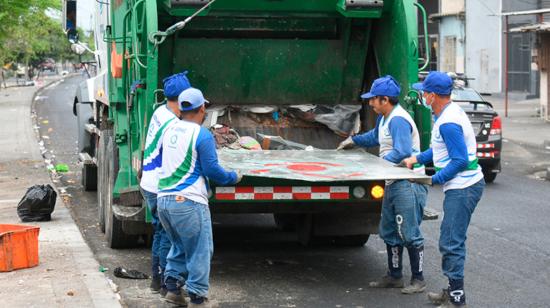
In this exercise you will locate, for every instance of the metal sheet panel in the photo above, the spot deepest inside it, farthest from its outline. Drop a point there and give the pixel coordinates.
(315, 166)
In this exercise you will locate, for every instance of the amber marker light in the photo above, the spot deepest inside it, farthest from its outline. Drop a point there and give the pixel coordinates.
(377, 191)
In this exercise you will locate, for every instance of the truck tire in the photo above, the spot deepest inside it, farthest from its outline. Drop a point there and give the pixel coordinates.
(89, 177)
(304, 229)
(286, 222)
(489, 176)
(116, 238)
(358, 240)
(103, 176)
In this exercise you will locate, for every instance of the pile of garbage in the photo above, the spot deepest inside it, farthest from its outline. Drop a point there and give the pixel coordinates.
(342, 120)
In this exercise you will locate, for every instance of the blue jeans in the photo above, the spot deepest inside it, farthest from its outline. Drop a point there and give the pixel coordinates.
(161, 243)
(189, 227)
(402, 215)
(458, 207)
(420, 194)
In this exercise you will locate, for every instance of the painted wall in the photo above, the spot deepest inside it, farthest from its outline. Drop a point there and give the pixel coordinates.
(452, 6)
(483, 45)
(523, 78)
(451, 29)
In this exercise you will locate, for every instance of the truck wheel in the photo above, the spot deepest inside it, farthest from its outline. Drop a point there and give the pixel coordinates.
(89, 177)
(489, 176)
(358, 240)
(286, 222)
(103, 176)
(116, 238)
(304, 229)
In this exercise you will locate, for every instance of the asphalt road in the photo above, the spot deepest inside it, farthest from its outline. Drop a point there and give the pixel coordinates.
(256, 265)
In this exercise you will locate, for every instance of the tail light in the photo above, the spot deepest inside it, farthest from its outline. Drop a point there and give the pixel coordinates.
(496, 126)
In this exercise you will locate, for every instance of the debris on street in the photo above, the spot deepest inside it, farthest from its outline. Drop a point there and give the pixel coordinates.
(121, 272)
(37, 204)
(62, 168)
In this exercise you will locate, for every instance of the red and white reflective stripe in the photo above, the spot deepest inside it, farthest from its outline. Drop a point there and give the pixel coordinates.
(283, 193)
(485, 145)
(486, 155)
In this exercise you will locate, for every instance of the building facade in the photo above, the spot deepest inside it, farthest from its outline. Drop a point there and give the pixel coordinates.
(484, 50)
(452, 35)
(471, 40)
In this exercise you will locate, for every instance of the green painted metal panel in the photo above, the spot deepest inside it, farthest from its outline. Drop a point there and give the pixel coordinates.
(237, 6)
(395, 42)
(326, 67)
(131, 115)
(280, 6)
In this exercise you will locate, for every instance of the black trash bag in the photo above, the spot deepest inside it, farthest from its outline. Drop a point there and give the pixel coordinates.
(121, 272)
(37, 204)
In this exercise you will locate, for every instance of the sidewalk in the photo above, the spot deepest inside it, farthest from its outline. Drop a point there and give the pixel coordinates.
(68, 274)
(523, 124)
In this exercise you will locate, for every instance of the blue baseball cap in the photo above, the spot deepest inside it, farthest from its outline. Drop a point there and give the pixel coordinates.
(435, 82)
(383, 86)
(175, 84)
(193, 97)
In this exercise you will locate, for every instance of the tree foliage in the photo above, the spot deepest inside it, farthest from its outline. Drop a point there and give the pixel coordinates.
(28, 34)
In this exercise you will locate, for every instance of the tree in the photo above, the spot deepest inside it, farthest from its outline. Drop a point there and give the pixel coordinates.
(27, 32)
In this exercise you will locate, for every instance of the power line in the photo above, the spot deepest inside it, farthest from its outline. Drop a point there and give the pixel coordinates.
(487, 7)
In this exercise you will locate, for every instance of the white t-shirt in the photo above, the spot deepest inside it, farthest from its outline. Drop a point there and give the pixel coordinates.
(152, 157)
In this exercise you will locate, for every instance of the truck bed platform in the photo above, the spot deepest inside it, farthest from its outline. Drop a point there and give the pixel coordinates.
(316, 165)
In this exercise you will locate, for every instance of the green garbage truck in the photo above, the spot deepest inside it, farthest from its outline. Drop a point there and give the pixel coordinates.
(283, 75)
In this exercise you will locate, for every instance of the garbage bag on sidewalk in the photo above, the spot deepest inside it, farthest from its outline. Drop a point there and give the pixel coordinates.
(37, 204)
(121, 272)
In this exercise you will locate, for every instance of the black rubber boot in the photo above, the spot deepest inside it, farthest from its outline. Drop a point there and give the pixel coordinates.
(416, 257)
(155, 284)
(453, 296)
(395, 261)
(155, 274)
(394, 277)
(202, 302)
(457, 296)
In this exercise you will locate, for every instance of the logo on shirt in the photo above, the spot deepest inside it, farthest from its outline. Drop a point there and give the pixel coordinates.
(174, 139)
(386, 132)
(150, 131)
(437, 136)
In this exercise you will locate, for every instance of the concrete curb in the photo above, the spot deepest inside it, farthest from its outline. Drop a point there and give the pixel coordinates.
(97, 283)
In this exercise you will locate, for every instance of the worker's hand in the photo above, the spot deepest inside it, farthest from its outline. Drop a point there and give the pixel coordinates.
(410, 161)
(346, 144)
(239, 176)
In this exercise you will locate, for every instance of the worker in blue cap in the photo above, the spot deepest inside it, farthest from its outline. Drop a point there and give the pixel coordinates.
(163, 116)
(453, 152)
(189, 162)
(397, 136)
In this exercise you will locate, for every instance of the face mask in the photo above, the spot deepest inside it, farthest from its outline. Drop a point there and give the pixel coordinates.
(424, 103)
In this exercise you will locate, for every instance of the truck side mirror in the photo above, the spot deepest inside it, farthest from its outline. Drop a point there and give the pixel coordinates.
(72, 36)
(78, 48)
(69, 20)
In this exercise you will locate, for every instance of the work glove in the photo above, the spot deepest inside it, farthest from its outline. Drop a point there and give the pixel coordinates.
(346, 144)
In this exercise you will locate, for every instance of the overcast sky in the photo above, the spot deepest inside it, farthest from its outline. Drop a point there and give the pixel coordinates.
(85, 13)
